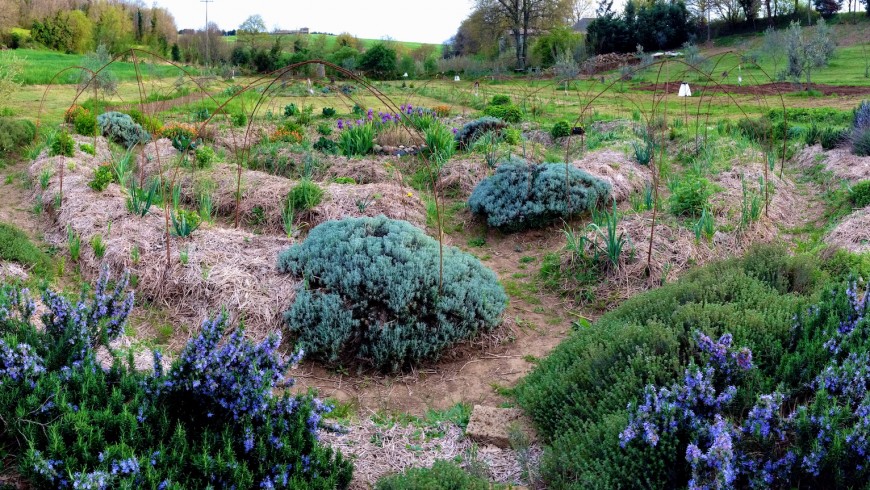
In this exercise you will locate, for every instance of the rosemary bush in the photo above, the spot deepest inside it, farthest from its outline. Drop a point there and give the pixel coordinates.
(213, 420)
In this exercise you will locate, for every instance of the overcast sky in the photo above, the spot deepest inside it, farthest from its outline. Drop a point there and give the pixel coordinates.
(429, 21)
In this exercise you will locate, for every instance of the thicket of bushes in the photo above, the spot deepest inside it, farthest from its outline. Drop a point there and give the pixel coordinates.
(374, 294)
(211, 420)
(524, 195)
(15, 134)
(579, 395)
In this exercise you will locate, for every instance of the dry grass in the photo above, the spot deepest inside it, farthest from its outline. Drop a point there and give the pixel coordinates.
(369, 171)
(462, 175)
(840, 161)
(623, 174)
(398, 135)
(675, 248)
(853, 233)
(263, 195)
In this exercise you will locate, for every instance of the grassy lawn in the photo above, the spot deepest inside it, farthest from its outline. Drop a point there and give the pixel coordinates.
(41, 66)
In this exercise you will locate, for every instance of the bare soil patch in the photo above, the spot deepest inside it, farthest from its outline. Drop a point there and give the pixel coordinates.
(775, 88)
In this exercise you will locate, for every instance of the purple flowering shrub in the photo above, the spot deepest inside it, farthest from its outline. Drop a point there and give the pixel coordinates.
(217, 418)
(813, 431)
(578, 395)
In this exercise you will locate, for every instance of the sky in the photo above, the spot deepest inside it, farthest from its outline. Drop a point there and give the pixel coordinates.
(428, 21)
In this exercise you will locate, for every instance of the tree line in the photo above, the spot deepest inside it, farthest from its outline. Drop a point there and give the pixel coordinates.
(79, 26)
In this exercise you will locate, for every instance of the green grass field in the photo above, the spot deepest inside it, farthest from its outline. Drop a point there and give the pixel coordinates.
(41, 66)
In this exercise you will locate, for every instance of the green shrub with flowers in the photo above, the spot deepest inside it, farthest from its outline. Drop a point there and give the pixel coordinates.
(747, 373)
(211, 420)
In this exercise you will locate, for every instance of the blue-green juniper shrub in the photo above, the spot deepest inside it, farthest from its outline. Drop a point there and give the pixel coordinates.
(373, 295)
(524, 195)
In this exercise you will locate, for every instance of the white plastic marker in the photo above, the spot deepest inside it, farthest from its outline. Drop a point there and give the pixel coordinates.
(685, 91)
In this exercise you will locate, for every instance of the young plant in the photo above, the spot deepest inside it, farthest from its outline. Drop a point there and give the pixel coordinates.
(706, 225)
(206, 207)
(74, 242)
(103, 176)
(138, 200)
(752, 203)
(612, 241)
(184, 222)
(288, 218)
(357, 140)
(98, 245)
(62, 144)
(44, 178)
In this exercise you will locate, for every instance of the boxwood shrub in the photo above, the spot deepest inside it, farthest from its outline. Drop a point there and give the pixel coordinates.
(525, 195)
(372, 294)
(578, 396)
(213, 420)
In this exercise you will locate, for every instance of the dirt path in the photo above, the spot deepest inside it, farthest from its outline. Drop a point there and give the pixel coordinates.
(762, 89)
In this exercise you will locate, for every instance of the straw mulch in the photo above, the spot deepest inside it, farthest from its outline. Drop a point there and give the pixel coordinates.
(225, 268)
(675, 247)
(372, 170)
(853, 233)
(840, 161)
(623, 174)
(462, 175)
(378, 451)
(263, 195)
(10, 271)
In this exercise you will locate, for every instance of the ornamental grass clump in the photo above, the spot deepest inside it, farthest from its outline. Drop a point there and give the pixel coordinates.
(214, 419)
(524, 195)
(373, 294)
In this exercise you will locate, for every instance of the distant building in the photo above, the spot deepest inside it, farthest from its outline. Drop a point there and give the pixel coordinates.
(582, 24)
(291, 32)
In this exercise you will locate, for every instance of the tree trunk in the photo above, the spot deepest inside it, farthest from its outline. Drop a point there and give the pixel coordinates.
(526, 18)
(519, 48)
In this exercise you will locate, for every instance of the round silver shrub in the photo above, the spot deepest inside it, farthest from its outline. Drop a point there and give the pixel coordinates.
(524, 195)
(371, 297)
